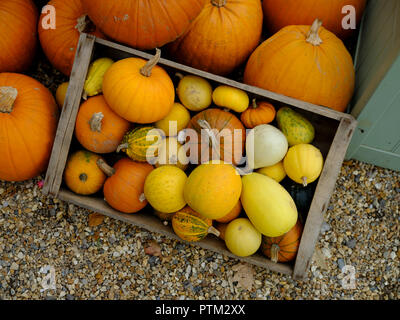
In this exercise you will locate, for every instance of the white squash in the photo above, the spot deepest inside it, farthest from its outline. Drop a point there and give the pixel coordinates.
(265, 146)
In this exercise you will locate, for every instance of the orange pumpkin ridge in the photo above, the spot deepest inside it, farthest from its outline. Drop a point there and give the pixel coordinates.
(28, 121)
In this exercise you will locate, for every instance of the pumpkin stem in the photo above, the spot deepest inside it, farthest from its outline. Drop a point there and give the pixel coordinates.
(313, 34)
(255, 106)
(122, 146)
(274, 252)
(214, 142)
(109, 171)
(214, 231)
(84, 24)
(83, 177)
(8, 95)
(146, 70)
(304, 179)
(142, 197)
(95, 122)
(218, 3)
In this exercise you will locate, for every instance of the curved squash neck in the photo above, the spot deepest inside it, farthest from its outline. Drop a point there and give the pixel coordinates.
(8, 95)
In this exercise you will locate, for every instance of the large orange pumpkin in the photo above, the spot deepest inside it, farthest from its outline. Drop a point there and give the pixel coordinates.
(222, 37)
(219, 135)
(124, 188)
(306, 63)
(18, 21)
(60, 44)
(143, 24)
(28, 120)
(285, 247)
(139, 90)
(282, 13)
(98, 128)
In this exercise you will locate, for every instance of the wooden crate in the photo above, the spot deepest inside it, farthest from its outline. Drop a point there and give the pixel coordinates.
(334, 131)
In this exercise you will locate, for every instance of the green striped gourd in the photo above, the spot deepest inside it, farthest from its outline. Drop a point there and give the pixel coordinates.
(142, 144)
(295, 127)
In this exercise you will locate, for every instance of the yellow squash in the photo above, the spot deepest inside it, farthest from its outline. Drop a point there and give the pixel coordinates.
(268, 205)
(191, 226)
(303, 163)
(231, 98)
(94, 80)
(61, 93)
(194, 92)
(276, 172)
(175, 121)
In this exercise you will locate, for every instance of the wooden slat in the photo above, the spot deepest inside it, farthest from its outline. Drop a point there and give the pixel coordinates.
(153, 224)
(323, 192)
(68, 115)
(323, 111)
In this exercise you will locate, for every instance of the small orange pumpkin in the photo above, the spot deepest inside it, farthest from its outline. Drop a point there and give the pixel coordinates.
(233, 214)
(28, 122)
(285, 247)
(258, 113)
(124, 188)
(59, 44)
(82, 175)
(98, 128)
(139, 90)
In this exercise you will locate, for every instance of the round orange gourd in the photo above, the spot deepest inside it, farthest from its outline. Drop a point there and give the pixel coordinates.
(283, 248)
(306, 63)
(216, 41)
(213, 189)
(233, 214)
(143, 24)
(222, 142)
(190, 226)
(139, 90)
(258, 113)
(98, 128)
(123, 190)
(18, 25)
(59, 44)
(82, 174)
(282, 13)
(28, 121)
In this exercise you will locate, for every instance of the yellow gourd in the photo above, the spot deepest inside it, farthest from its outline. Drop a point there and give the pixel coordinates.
(268, 205)
(191, 226)
(61, 93)
(242, 238)
(172, 153)
(194, 92)
(163, 189)
(213, 189)
(180, 115)
(303, 163)
(276, 172)
(231, 98)
(94, 80)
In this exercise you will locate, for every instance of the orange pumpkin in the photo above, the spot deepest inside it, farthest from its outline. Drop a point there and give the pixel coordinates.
(123, 190)
(282, 13)
(98, 128)
(219, 135)
(18, 25)
(258, 113)
(221, 227)
(216, 41)
(306, 63)
(60, 44)
(285, 247)
(28, 121)
(233, 214)
(143, 24)
(125, 78)
(82, 175)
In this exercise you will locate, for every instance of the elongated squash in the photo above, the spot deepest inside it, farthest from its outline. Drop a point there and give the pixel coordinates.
(268, 205)
(191, 226)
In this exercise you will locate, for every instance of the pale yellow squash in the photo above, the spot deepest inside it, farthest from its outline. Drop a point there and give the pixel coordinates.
(194, 92)
(242, 238)
(303, 163)
(231, 98)
(276, 172)
(213, 189)
(268, 205)
(175, 121)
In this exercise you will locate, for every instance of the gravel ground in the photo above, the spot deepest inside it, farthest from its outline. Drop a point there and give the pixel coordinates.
(52, 250)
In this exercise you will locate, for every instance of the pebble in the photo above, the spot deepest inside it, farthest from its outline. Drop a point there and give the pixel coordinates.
(351, 243)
